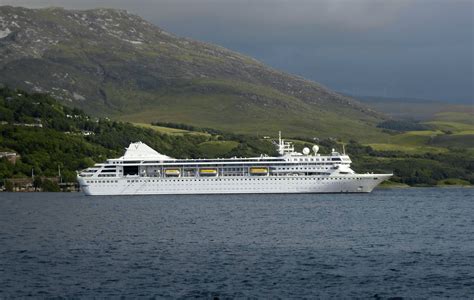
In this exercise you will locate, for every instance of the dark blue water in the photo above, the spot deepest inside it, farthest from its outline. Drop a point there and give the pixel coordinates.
(407, 243)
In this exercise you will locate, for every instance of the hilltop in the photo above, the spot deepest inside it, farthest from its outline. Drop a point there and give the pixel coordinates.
(111, 63)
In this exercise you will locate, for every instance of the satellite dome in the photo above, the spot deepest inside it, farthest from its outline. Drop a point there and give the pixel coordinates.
(305, 150)
(315, 149)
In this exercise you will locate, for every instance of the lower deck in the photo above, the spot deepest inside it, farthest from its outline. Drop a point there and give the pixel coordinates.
(357, 183)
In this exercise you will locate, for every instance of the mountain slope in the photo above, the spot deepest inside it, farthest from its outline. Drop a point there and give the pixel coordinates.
(110, 62)
(415, 109)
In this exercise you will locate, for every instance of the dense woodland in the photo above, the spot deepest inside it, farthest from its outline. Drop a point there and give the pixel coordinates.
(72, 140)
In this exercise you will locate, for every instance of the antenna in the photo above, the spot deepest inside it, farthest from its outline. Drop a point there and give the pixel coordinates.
(283, 147)
(343, 149)
(59, 174)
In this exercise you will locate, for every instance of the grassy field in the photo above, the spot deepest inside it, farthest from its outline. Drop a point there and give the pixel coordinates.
(415, 109)
(453, 182)
(407, 149)
(217, 148)
(466, 117)
(448, 129)
(169, 130)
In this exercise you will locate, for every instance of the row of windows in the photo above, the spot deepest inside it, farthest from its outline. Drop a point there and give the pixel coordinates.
(226, 179)
(197, 161)
(102, 181)
(318, 159)
(245, 179)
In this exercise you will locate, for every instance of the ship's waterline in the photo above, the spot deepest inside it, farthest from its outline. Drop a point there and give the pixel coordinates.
(143, 170)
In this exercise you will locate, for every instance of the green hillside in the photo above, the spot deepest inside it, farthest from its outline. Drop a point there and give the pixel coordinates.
(112, 63)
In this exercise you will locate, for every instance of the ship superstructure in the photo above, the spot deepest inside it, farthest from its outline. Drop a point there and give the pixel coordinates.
(142, 170)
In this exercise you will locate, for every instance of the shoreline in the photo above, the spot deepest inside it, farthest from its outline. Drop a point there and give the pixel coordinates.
(380, 187)
(402, 186)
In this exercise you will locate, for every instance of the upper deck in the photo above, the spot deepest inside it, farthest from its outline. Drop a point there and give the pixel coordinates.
(140, 153)
(141, 160)
(335, 158)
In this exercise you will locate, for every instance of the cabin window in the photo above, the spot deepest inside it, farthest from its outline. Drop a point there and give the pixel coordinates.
(130, 170)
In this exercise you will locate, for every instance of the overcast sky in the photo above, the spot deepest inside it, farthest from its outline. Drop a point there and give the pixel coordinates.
(393, 48)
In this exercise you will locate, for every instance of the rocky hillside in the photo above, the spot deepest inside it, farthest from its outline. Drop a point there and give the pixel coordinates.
(110, 62)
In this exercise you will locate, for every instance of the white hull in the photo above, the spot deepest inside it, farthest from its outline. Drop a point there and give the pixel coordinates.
(354, 183)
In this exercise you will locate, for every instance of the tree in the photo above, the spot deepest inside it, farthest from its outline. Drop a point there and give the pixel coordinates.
(50, 186)
(37, 182)
(9, 186)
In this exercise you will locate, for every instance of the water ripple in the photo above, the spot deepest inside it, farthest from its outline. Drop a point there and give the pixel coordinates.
(415, 243)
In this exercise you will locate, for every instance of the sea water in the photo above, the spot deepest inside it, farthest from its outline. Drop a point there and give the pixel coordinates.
(416, 242)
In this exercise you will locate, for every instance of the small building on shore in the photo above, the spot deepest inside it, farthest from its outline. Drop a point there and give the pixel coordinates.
(28, 184)
(10, 156)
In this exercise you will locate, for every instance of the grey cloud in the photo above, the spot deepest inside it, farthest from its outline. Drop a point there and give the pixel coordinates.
(344, 14)
(413, 48)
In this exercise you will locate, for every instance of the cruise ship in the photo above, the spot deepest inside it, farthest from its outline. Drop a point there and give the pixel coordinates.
(144, 171)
